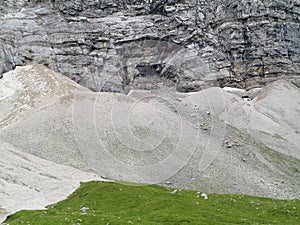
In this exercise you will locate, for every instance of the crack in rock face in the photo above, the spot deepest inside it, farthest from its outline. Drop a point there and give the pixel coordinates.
(109, 45)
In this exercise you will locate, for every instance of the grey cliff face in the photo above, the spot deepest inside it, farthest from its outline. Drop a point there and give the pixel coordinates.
(117, 46)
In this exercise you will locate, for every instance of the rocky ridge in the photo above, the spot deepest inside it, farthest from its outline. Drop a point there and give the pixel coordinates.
(184, 44)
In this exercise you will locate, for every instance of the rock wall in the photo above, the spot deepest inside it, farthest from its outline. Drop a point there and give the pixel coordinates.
(114, 45)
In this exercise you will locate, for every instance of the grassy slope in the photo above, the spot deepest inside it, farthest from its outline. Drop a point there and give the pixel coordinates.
(115, 203)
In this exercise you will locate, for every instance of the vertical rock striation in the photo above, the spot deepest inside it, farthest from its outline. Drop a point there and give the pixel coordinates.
(114, 45)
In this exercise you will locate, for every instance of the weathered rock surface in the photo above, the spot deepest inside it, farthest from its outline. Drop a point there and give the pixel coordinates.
(187, 44)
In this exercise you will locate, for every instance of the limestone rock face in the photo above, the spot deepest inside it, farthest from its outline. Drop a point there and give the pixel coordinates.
(114, 45)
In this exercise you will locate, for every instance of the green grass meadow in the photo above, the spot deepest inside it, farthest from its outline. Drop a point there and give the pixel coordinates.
(117, 203)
